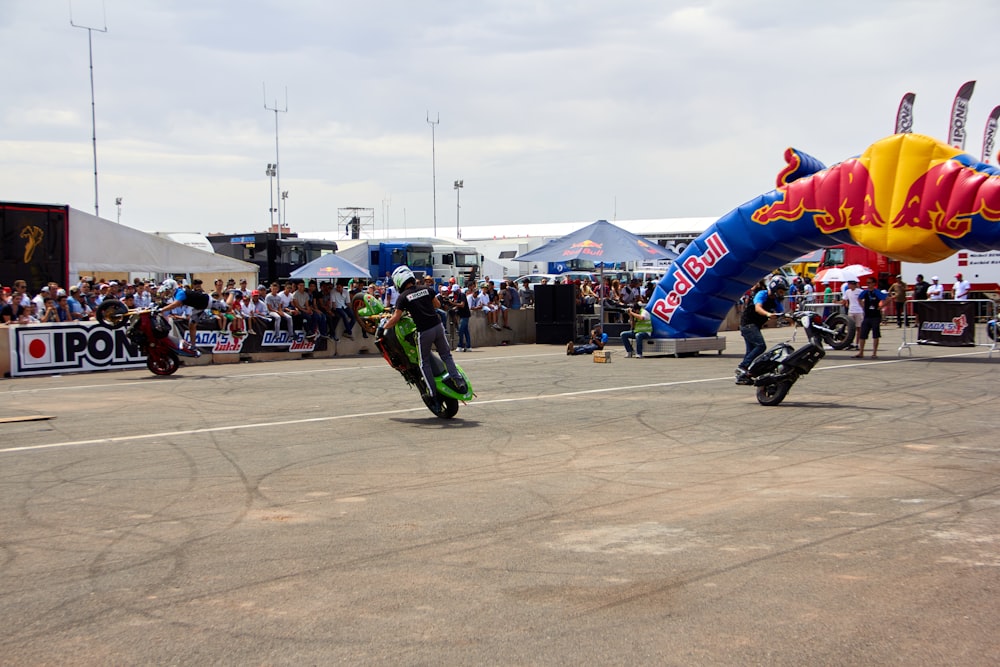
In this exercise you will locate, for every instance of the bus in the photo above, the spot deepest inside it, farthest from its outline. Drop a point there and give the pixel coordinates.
(276, 257)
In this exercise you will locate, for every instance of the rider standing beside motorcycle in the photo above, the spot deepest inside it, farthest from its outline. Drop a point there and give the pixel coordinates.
(765, 305)
(423, 304)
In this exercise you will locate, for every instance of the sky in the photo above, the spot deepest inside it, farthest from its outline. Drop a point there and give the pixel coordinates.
(548, 111)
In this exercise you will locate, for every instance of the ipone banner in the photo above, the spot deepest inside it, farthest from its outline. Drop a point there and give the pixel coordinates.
(908, 196)
(83, 347)
(947, 323)
(46, 349)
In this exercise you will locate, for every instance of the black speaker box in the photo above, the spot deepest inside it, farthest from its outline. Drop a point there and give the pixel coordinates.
(555, 333)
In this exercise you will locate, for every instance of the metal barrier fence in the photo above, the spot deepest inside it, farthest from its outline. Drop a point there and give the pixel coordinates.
(949, 323)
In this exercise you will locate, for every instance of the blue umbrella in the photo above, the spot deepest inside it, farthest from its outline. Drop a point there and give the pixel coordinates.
(330, 267)
(601, 243)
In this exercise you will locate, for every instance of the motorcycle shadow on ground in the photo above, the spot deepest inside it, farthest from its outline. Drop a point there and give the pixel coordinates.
(787, 403)
(431, 420)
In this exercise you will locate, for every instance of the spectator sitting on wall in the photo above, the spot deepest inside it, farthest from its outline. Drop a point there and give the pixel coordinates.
(276, 311)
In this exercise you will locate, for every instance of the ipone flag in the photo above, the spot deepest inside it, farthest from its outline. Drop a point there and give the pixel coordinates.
(904, 115)
(960, 115)
(990, 134)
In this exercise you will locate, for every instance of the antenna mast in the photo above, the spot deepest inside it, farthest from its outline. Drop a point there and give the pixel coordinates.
(433, 124)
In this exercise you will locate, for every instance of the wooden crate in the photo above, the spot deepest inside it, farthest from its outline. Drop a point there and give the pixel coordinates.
(602, 356)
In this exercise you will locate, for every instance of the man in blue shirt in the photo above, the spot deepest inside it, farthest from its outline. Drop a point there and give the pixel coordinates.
(764, 305)
(872, 301)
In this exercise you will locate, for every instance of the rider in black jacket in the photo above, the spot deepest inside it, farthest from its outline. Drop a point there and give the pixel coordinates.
(422, 303)
(765, 305)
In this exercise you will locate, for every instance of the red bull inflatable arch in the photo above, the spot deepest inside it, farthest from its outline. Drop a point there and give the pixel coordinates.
(908, 196)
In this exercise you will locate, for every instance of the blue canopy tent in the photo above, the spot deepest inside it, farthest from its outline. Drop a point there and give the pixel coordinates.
(330, 267)
(601, 243)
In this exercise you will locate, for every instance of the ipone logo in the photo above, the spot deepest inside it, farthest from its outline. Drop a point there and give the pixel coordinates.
(73, 347)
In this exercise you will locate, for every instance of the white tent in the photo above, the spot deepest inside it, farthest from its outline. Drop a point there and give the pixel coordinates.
(99, 245)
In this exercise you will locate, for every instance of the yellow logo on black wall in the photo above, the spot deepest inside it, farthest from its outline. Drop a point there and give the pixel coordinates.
(33, 238)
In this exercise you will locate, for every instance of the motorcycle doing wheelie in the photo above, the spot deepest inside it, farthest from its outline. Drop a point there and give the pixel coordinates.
(774, 371)
(149, 331)
(398, 346)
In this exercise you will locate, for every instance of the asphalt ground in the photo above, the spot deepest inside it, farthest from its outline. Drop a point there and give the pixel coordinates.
(637, 512)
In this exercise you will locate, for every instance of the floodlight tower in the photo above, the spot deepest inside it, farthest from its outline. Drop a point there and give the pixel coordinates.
(277, 162)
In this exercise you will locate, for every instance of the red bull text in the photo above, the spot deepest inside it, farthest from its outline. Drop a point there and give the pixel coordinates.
(687, 275)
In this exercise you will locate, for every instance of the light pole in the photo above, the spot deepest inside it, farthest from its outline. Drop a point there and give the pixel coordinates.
(93, 112)
(271, 171)
(458, 207)
(284, 206)
(118, 203)
(277, 160)
(433, 124)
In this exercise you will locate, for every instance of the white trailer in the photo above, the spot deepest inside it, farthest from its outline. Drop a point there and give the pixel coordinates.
(981, 269)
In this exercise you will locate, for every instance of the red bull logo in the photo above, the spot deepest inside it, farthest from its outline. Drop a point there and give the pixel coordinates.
(839, 198)
(942, 198)
(687, 275)
(648, 248)
(588, 248)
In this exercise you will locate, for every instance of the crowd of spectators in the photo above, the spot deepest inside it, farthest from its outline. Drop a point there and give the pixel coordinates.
(320, 309)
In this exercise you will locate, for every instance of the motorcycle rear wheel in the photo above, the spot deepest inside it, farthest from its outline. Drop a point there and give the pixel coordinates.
(165, 363)
(844, 329)
(444, 407)
(773, 394)
(111, 313)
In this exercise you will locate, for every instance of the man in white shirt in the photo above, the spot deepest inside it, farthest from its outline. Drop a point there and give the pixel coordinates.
(341, 305)
(854, 309)
(961, 288)
(143, 297)
(276, 309)
(936, 291)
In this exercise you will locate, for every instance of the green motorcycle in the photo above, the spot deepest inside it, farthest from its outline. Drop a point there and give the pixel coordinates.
(399, 347)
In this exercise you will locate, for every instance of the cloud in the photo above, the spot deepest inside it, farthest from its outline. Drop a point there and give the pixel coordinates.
(549, 111)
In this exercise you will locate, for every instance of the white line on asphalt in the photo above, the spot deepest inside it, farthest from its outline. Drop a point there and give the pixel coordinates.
(377, 363)
(362, 415)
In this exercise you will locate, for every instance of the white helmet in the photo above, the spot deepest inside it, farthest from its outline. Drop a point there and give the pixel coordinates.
(168, 286)
(401, 276)
(777, 282)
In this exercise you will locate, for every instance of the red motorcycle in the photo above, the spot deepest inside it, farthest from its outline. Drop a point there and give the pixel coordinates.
(148, 330)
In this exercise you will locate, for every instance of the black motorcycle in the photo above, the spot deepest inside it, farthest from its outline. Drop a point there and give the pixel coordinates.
(775, 371)
(837, 330)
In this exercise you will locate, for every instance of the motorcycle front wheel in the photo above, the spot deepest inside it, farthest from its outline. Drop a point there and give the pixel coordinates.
(165, 363)
(111, 313)
(843, 331)
(360, 308)
(773, 394)
(444, 407)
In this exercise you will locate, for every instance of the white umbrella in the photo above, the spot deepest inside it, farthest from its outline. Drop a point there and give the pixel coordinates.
(841, 274)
